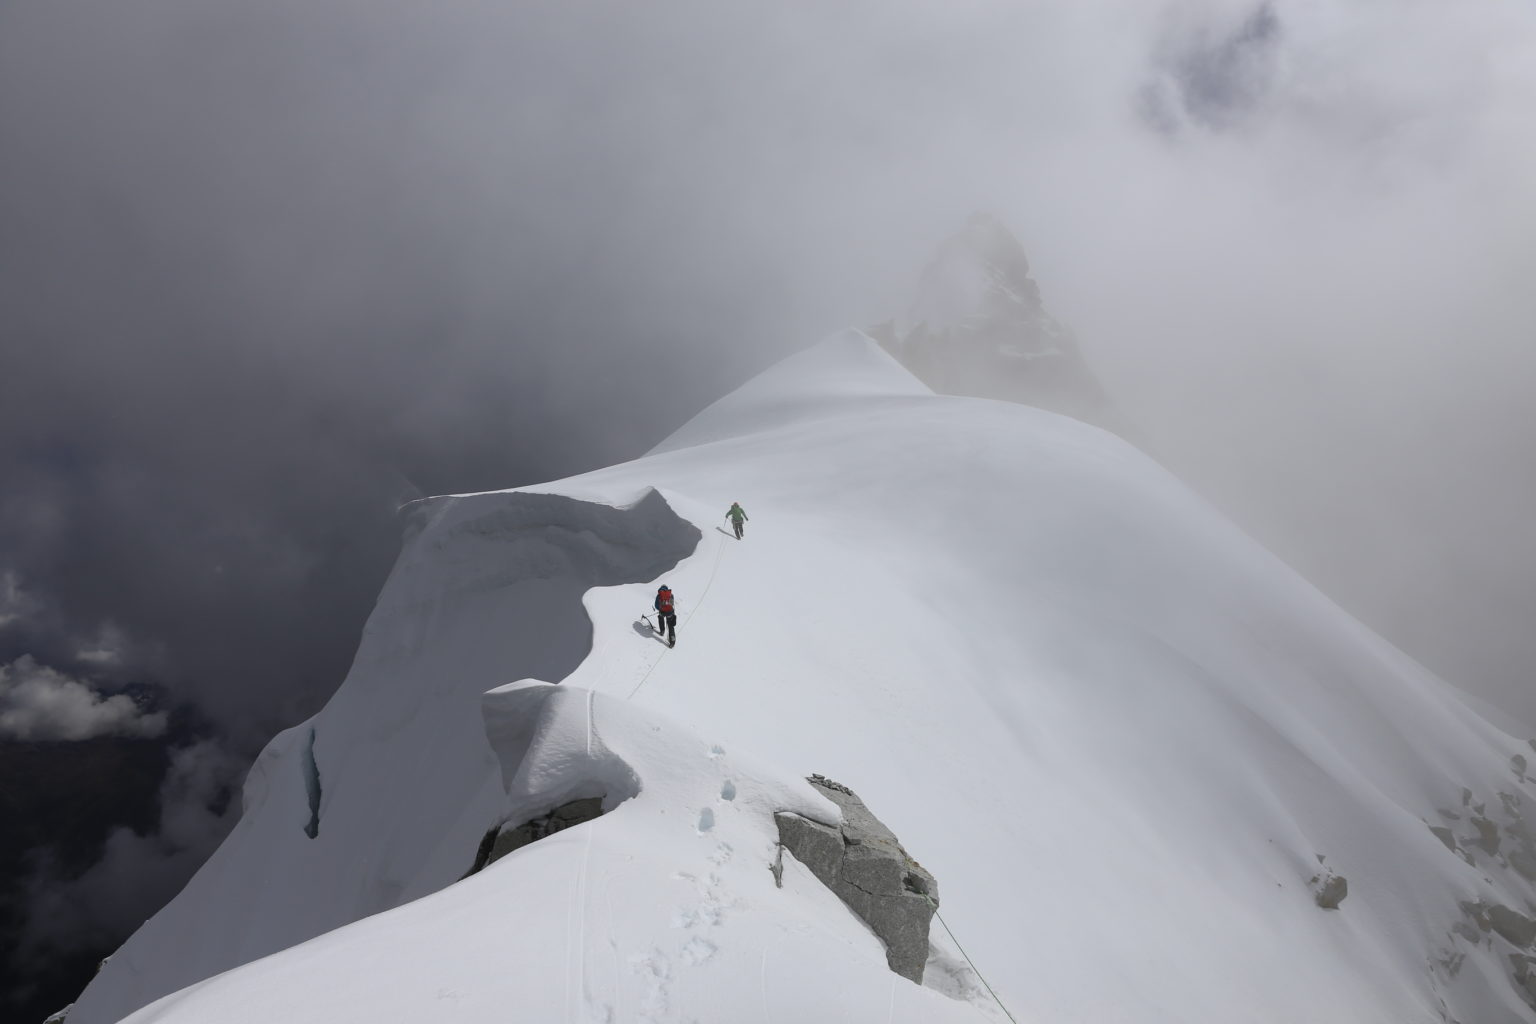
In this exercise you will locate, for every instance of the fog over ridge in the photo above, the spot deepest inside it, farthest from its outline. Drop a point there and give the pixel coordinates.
(269, 270)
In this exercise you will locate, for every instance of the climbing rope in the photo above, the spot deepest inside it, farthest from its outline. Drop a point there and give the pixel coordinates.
(968, 960)
(719, 552)
(714, 570)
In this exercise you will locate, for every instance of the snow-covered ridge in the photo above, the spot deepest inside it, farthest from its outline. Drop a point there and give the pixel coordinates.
(1119, 734)
(821, 381)
(488, 589)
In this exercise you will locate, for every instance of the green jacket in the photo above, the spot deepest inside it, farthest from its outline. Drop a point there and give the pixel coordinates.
(736, 513)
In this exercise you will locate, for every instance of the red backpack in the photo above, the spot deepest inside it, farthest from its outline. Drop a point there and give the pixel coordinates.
(664, 601)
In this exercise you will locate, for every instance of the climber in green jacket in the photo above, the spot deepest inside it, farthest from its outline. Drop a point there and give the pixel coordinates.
(737, 515)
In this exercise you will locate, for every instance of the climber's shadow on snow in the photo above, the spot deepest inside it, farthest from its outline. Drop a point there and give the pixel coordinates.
(644, 629)
(728, 533)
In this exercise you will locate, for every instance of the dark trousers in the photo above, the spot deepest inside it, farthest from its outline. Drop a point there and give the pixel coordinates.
(736, 525)
(666, 621)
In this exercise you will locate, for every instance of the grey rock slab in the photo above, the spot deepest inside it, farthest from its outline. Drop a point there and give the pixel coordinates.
(498, 842)
(875, 869)
(1332, 892)
(1466, 931)
(817, 846)
(1513, 925)
(1521, 967)
(1487, 834)
(864, 864)
(1478, 912)
(1524, 861)
(578, 811)
(902, 922)
(1444, 835)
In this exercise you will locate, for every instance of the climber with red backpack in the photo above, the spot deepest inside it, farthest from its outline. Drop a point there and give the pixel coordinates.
(666, 615)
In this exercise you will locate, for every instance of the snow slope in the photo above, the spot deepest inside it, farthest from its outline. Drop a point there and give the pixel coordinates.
(1118, 733)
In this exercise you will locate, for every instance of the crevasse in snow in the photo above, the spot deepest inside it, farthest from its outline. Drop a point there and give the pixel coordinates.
(311, 787)
(1127, 742)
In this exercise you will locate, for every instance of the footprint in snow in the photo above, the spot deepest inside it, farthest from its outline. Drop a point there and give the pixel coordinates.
(656, 976)
(728, 791)
(716, 751)
(706, 820)
(706, 915)
(697, 951)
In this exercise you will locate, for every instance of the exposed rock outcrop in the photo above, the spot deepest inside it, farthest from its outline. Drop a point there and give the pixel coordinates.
(1523, 968)
(498, 842)
(1329, 890)
(864, 864)
(1514, 926)
(1493, 836)
(977, 327)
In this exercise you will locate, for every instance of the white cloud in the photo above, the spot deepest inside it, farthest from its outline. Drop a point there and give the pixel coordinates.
(15, 603)
(40, 703)
(107, 647)
(137, 873)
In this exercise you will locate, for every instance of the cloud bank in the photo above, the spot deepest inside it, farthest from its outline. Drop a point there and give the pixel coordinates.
(274, 268)
(138, 873)
(38, 703)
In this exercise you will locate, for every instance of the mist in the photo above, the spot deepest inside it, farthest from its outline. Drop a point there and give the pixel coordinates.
(269, 270)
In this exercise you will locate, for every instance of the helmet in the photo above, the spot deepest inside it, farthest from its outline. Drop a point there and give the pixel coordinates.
(662, 587)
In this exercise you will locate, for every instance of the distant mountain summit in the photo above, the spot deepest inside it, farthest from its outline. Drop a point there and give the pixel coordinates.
(977, 327)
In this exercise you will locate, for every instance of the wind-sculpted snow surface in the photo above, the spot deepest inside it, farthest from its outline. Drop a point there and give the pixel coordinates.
(649, 913)
(819, 382)
(487, 590)
(1129, 744)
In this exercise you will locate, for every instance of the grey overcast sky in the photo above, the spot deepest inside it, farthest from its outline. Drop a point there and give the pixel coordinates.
(269, 268)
